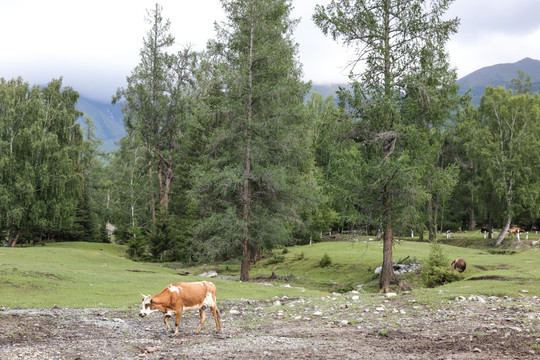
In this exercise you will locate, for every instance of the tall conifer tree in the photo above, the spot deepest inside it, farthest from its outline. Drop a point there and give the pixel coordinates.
(257, 160)
(391, 38)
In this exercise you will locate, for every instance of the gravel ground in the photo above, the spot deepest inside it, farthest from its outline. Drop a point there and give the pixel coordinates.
(350, 326)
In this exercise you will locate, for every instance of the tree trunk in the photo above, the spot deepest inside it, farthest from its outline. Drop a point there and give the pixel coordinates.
(472, 217)
(246, 196)
(151, 186)
(13, 239)
(387, 274)
(160, 182)
(432, 227)
(168, 180)
(504, 230)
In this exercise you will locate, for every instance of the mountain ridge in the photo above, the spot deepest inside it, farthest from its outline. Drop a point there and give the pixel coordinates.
(109, 124)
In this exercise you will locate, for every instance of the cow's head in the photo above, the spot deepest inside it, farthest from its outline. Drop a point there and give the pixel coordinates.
(146, 306)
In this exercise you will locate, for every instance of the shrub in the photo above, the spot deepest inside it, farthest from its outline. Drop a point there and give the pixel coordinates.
(325, 260)
(276, 259)
(436, 270)
(435, 276)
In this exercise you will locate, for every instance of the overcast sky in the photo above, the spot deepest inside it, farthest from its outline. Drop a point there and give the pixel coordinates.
(95, 44)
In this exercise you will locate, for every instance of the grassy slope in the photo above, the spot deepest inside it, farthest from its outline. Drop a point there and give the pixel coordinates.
(354, 263)
(93, 275)
(89, 275)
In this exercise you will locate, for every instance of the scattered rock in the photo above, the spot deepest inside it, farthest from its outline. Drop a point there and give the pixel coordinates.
(209, 274)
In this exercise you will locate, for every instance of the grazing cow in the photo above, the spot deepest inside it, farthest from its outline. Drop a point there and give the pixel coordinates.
(459, 265)
(515, 230)
(177, 297)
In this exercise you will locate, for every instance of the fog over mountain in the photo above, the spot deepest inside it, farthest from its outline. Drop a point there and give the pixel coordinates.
(109, 125)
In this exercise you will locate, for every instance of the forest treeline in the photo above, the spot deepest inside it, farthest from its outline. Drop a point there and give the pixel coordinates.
(228, 153)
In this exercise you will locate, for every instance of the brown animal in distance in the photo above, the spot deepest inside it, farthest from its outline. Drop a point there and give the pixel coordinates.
(515, 230)
(459, 264)
(178, 297)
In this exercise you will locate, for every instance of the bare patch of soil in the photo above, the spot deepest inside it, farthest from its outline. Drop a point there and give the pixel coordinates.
(350, 326)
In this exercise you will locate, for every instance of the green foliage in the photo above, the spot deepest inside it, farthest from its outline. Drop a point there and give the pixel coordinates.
(325, 260)
(253, 182)
(435, 276)
(436, 270)
(275, 259)
(41, 147)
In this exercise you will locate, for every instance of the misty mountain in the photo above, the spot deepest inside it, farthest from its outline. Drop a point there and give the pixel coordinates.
(107, 118)
(109, 125)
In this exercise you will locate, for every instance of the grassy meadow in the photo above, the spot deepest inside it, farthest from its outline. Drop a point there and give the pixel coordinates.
(83, 275)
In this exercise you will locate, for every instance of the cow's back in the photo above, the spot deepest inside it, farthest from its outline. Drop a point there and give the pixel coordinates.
(190, 294)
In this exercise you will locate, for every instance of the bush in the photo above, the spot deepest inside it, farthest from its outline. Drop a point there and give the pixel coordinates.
(325, 260)
(436, 270)
(436, 276)
(276, 259)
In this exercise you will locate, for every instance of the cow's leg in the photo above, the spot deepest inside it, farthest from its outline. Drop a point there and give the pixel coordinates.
(202, 313)
(166, 321)
(217, 317)
(177, 322)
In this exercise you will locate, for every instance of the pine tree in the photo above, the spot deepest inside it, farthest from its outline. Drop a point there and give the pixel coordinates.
(257, 161)
(391, 38)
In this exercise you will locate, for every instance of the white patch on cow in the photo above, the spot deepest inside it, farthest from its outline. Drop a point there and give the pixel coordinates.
(207, 302)
(175, 289)
(196, 307)
(144, 309)
(171, 313)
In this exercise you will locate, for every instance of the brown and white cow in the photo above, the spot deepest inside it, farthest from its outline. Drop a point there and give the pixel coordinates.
(515, 230)
(459, 264)
(178, 297)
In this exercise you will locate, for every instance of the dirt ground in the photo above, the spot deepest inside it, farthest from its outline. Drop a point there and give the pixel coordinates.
(350, 326)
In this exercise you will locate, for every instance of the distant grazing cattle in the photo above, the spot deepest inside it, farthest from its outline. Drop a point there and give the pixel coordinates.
(484, 229)
(177, 297)
(534, 228)
(515, 230)
(459, 265)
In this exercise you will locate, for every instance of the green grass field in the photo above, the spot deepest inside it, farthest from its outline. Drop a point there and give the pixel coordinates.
(353, 263)
(99, 275)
